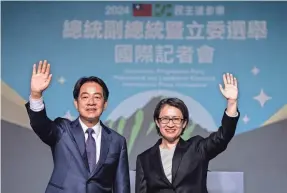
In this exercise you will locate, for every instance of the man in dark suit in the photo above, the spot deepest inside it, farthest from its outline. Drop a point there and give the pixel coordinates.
(173, 165)
(88, 156)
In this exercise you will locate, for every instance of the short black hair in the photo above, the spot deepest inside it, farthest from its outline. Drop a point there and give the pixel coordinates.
(95, 79)
(174, 102)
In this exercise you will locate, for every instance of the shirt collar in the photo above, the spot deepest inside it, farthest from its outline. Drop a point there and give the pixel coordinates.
(97, 128)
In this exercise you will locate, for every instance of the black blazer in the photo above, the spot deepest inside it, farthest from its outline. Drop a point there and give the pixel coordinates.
(189, 164)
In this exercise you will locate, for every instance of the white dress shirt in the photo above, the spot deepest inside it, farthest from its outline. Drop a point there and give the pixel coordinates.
(38, 105)
(97, 136)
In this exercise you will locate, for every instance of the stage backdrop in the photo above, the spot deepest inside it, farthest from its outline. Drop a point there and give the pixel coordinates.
(144, 52)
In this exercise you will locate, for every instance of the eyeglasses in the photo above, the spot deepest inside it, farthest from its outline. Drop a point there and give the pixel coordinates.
(175, 120)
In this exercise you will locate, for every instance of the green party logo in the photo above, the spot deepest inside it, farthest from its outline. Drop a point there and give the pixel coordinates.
(162, 10)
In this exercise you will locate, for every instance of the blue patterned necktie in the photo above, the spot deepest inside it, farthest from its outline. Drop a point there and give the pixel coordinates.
(91, 149)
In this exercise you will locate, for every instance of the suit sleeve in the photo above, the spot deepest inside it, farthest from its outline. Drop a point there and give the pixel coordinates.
(141, 186)
(44, 127)
(122, 180)
(217, 142)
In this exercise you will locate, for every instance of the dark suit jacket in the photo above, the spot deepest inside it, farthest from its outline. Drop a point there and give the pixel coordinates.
(189, 164)
(71, 171)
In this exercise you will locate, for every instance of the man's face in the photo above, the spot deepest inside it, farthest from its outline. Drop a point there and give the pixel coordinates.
(170, 123)
(90, 102)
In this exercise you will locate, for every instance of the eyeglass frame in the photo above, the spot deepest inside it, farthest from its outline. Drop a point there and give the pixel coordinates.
(172, 120)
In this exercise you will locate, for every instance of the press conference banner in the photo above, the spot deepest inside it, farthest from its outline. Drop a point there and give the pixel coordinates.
(150, 50)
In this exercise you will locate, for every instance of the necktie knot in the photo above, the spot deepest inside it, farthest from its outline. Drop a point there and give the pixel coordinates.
(90, 131)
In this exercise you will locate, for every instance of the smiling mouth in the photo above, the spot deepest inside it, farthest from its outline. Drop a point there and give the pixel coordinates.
(170, 130)
(91, 110)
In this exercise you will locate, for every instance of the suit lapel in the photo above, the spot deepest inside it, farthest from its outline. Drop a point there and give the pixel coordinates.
(178, 153)
(105, 145)
(156, 162)
(79, 138)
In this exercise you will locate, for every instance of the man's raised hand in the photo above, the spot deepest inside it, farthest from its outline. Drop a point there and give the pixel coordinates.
(41, 78)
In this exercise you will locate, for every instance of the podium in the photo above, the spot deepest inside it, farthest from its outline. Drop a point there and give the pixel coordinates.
(217, 182)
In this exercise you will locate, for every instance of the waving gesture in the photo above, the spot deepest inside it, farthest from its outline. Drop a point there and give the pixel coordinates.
(230, 90)
(41, 78)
